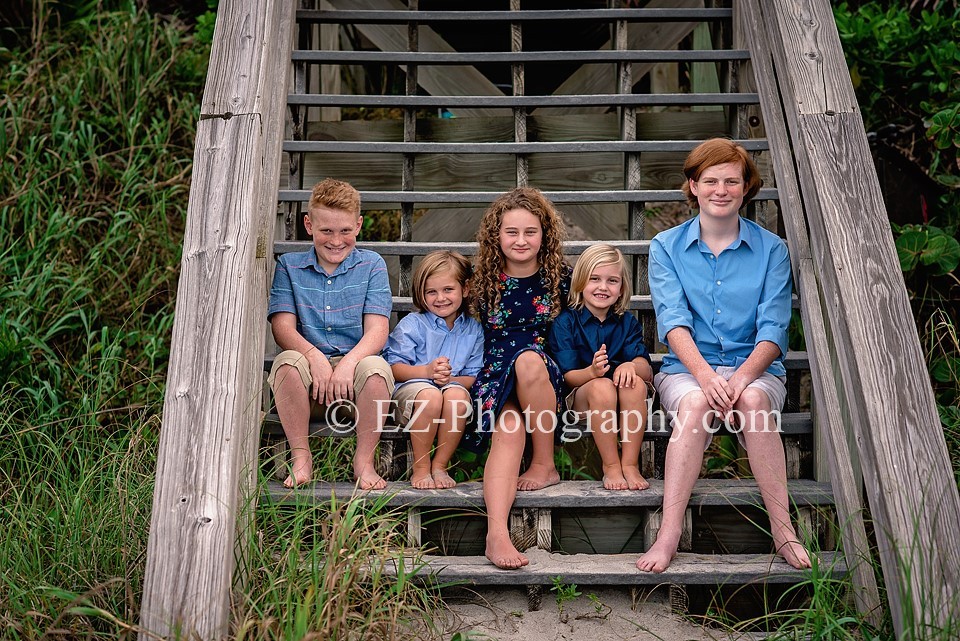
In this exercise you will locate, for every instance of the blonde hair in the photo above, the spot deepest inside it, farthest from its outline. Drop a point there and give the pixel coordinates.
(719, 151)
(437, 262)
(490, 259)
(335, 194)
(597, 256)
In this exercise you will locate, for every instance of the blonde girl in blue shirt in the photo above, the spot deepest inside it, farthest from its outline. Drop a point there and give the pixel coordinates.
(598, 345)
(435, 356)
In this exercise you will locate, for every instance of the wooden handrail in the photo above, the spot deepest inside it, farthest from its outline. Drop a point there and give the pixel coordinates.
(211, 410)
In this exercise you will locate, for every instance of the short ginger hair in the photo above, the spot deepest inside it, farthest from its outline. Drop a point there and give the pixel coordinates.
(335, 194)
(718, 151)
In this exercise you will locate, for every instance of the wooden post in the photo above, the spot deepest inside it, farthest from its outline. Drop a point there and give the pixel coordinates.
(212, 402)
(885, 391)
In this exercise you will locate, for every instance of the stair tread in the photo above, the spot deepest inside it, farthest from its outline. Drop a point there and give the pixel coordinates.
(619, 569)
(566, 494)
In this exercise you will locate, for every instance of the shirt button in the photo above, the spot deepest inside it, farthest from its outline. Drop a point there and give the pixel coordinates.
(329, 282)
(328, 307)
(718, 311)
(718, 282)
(329, 329)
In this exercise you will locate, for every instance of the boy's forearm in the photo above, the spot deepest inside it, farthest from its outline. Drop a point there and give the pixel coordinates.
(762, 356)
(403, 372)
(375, 331)
(578, 377)
(683, 345)
(286, 335)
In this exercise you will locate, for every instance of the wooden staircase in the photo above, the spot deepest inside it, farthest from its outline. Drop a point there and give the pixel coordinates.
(596, 106)
(612, 154)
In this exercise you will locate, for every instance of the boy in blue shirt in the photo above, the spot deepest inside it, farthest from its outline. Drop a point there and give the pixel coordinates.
(330, 314)
(721, 290)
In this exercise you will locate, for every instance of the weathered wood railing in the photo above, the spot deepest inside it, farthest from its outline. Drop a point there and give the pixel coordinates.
(211, 413)
(868, 369)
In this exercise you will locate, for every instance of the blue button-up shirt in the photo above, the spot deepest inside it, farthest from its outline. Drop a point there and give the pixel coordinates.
(330, 307)
(577, 334)
(419, 338)
(729, 302)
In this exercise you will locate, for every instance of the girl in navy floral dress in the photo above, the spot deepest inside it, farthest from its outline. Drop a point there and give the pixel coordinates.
(521, 281)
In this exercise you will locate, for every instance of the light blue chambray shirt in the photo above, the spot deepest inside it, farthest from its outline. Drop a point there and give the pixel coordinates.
(419, 338)
(330, 307)
(729, 303)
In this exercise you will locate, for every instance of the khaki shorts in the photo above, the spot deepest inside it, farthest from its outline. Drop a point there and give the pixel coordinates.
(367, 367)
(405, 395)
(673, 387)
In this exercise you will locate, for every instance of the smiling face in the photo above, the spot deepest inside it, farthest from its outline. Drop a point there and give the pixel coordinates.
(443, 295)
(602, 289)
(719, 190)
(520, 238)
(334, 233)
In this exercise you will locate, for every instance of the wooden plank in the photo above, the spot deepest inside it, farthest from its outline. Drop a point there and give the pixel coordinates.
(602, 78)
(867, 305)
(215, 363)
(564, 495)
(829, 422)
(442, 81)
(703, 75)
(620, 569)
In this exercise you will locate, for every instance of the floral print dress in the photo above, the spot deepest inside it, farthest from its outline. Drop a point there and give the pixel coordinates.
(519, 324)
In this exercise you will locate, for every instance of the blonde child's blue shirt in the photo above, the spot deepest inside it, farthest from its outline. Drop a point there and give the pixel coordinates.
(577, 334)
(729, 302)
(419, 338)
(330, 307)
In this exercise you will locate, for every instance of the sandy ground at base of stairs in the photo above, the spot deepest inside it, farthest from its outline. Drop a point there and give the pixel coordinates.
(502, 614)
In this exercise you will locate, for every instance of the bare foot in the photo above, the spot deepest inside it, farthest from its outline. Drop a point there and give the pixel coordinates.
(658, 557)
(443, 480)
(502, 553)
(538, 477)
(423, 481)
(635, 480)
(791, 549)
(613, 477)
(300, 473)
(367, 478)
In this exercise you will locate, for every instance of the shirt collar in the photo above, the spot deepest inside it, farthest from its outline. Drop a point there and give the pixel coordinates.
(309, 259)
(438, 322)
(692, 235)
(586, 316)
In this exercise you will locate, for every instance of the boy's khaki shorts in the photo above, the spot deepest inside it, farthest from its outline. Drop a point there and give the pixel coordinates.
(406, 394)
(673, 387)
(367, 367)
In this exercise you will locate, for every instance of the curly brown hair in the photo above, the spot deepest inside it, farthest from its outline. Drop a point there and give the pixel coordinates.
(490, 259)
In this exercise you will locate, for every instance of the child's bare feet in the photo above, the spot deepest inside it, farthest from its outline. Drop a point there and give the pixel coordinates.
(442, 480)
(502, 553)
(792, 551)
(613, 477)
(538, 477)
(660, 555)
(422, 481)
(300, 472)
(635, 480)
(367, 478)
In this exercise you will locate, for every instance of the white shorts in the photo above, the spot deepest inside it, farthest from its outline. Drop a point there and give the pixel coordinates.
(673, 387)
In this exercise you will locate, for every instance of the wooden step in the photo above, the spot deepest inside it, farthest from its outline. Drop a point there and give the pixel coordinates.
(649, 15)
(566, 494)
(620, 569)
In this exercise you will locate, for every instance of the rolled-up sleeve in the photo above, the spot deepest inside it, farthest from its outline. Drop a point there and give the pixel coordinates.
(669, 302)
(633, 346)
(773, 311)
(281, 292)
(404, 343)
(379, 299)
(561, 342)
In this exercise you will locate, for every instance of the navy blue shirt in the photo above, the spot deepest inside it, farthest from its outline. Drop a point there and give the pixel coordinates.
(577, 334)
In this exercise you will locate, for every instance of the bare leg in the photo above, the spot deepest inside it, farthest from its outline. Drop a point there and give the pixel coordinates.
(633, 413)
(500, 486)
(453, 417)
(682, 467)
(423, 429)
(537, 398)
(372, 403)
(768, 464)
(293, 406)
(599, 399)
